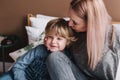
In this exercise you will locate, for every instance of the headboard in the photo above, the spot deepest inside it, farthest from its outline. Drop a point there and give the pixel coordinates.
(28, 19)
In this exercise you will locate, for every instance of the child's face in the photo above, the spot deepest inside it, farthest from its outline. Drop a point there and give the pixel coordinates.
(55, 42)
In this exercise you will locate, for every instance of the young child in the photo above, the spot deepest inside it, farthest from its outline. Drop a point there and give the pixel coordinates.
(58, 35)
(32, 65)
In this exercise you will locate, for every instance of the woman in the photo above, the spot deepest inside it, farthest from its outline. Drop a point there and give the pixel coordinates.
(96, 52)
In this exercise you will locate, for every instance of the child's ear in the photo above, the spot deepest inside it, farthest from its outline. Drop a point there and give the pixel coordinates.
(45, 39)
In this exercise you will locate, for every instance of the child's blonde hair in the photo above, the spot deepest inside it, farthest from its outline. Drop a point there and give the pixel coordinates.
(60, 27)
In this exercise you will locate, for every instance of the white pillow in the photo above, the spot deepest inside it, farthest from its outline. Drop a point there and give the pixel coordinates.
(46, 16)
(49, 17)
(116, 24)
(33, 33)
(39, 23)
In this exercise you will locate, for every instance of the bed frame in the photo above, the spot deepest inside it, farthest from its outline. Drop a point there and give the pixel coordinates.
(28, 19)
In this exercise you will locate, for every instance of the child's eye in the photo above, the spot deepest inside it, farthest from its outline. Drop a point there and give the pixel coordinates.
(59, 38)
(49, 37)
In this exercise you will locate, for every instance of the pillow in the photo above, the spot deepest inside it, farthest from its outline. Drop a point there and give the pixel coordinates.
(33, 33)
(46, 16)
(40, 21)
(116, 24)
(50, 17)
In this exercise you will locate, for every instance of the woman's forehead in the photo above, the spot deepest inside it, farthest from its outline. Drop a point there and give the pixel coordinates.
(72, 14)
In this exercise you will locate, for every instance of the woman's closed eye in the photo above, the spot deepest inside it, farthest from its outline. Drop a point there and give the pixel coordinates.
(74, 23)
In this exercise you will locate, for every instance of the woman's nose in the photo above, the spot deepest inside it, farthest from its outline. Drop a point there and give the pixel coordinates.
(70, 23)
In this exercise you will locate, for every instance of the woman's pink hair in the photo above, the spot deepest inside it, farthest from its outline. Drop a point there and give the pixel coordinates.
(97, 19)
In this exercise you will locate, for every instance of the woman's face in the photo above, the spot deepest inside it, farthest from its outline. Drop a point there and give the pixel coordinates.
(76, 23)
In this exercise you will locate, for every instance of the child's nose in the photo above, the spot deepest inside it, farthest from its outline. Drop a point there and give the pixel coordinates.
(54, 41)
